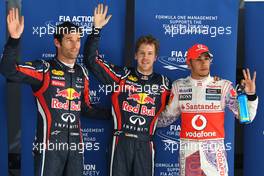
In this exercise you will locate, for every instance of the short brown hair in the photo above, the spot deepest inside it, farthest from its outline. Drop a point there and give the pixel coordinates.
(148, 39)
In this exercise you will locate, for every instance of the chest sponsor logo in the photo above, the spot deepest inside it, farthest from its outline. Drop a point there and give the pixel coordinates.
(214, 86)
(57, 72)
(68, 117)
(199, 122)
(213, 97)
(132, 78)
(213, 91)
(137, 120)
(68, 105)
(58, 83)
(142, 110)
(212, 106)
(69, 94)
(142, 98)
(58, 78)
(185, 90)
(185, 97)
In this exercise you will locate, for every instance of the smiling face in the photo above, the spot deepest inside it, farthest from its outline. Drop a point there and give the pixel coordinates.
(145, 57)
(200, 67)
(68, 48)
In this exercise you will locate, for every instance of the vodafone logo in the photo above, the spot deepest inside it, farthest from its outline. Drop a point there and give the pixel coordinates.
(197, 119)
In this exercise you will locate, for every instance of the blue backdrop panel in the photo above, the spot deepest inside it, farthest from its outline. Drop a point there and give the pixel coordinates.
(178, 25)
(254, 133)
(3, 115)
(37, 43)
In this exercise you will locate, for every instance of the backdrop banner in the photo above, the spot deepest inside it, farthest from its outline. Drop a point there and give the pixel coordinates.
(178, 25)
(254, 133)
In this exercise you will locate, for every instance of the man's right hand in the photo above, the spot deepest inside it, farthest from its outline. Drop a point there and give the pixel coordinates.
(15, 24)
(100, 19)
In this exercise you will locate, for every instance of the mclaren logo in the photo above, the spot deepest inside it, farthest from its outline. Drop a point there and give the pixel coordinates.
(68, 117)
(196, 120)
(137, 119)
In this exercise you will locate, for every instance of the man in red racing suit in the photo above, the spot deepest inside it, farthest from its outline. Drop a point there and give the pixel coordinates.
(200, 101)
(62, 93)
(138, 97)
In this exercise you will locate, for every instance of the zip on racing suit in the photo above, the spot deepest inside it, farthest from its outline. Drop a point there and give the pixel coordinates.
(201, 104)
(137, 101)
(61, 93)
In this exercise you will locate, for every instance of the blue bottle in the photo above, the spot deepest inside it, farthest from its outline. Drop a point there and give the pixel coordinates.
(243, 108)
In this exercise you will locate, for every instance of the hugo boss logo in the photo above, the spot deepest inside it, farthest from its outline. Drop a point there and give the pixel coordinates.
(185, 97)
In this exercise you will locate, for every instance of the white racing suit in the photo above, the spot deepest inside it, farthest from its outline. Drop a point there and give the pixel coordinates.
(201, 105)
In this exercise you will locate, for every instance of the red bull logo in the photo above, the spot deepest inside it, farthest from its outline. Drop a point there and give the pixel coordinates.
(69, 94)
(142, 98)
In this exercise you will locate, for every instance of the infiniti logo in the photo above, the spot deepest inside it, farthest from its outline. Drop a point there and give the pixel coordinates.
(137, 119)
(66, 116)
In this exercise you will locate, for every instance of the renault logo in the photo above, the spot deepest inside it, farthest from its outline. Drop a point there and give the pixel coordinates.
(66, 116)
(137, 119)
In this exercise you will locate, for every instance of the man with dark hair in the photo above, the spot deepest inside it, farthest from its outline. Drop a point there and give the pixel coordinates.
(138, 97)
(200, 100)
(61, 89)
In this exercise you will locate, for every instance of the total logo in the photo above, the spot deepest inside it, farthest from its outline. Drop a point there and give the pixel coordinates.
(137, 119)
(142, 98)
(69, 94)
(68, 117)
(199, 122)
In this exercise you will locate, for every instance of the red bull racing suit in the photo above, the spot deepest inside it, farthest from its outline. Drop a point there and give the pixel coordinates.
(61, 93)
(137, 101)
(201, 104)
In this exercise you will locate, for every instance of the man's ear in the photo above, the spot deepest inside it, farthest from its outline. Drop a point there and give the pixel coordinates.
(135, 56)
(57, 43)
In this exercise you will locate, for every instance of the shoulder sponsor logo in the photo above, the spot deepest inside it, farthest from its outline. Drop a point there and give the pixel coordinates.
(185, 97)
(58, 83)
(233, 93)
(213, 91)
(213, 97)
(57, 72)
